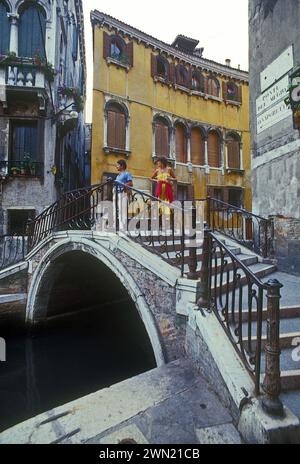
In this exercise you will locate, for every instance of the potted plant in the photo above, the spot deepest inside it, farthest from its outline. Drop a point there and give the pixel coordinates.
(28, 165)
(15, 170)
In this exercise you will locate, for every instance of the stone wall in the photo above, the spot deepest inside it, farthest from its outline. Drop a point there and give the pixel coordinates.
(276, 149)
(287, 244)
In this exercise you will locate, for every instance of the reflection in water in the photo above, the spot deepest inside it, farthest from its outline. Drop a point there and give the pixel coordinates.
(70, 357)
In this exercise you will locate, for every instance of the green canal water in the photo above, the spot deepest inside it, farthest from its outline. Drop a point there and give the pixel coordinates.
(70, 357)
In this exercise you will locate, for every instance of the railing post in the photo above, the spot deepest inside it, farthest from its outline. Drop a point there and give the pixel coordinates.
(208, 225)
(192, 274)
(117, 208)
(204, 300)
(272, 383)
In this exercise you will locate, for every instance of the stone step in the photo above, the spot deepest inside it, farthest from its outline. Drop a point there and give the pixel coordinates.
(287, 312)
(286, 340)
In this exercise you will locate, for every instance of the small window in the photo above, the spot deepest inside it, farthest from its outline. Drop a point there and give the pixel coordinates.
(233, 151)
(232, 92)
(116, 50)
(181, 143)
(197, 82)
(17, 220)
(197, 147)
(161, 68)
(24, 140)
(182, 192)
(162, 138)
(181, 75)
(213, 87)
(116, 126)
(214, 149)
(235, 197)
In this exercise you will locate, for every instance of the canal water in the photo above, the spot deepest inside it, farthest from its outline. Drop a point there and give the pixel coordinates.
(70, 357)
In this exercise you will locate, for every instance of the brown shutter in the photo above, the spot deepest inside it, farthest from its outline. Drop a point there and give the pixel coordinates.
(161, 139)
(233, 149)
(240, 93)
(129, 49)
(120, 131)
(205, 85)
(213, 150)
(197, 147)
(111, 129)
(106, 45)
(153, 65)
(190, 76)
(180, 144)
(224, 90)
(172, 73)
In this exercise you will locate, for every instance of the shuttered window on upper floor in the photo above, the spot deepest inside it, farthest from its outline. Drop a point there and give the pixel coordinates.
(116, 127)
(197, 147)
(4, 29)
(116, 48)
(162, 138)
(181, 144)
(214, 149)
(32, 31)
(233, 153)
(213, 86)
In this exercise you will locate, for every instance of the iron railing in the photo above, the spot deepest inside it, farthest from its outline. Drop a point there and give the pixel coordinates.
(75, 210)
(238, 297)
(13, 249)
(248, 229)
(168, 230)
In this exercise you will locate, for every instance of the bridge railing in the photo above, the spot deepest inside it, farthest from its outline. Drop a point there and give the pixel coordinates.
(13, 249)
(238, 298)
(75, 210)
(173, 231)
(250, 230)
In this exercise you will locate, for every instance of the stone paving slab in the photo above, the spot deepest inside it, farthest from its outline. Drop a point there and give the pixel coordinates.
(165, 405)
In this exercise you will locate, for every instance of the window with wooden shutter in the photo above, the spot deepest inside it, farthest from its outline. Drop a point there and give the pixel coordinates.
(5, 28)
(32, 31)
(153, 65)
(213, 86)
(214, 149)
(233, 153)
(180, 139)
(161, 138)
(106, 45)
(232, 92)
(197, 147)
(182, 75)
(129, 49)
(116, 127)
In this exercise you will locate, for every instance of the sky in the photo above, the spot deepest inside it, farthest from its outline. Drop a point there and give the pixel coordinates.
(220, 26)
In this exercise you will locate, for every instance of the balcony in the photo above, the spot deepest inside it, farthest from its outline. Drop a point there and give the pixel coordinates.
(21, 169)
(24, 76)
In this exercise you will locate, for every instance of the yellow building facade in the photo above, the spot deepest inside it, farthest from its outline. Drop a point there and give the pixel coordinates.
(151, 99)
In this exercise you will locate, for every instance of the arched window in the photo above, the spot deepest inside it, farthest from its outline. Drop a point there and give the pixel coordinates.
(182, 75)
(213, 86)
(197, 82)
(162, 68)
(162, 137)
(197, 147)
(180, 143)
(116, 126)
(4, 30)
(232, 92)
(233, 151)
(32, 30)
(116, 49)
(214, 149)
